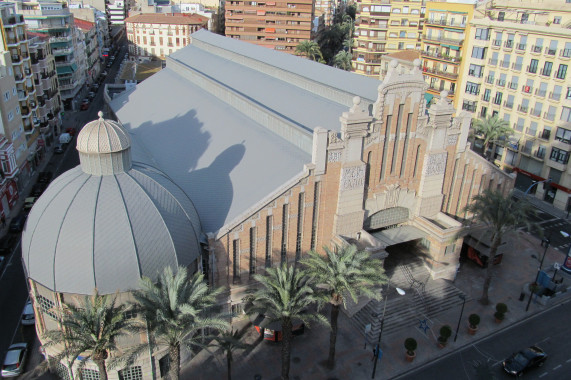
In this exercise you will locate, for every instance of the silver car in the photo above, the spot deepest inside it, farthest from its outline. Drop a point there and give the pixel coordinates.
(28, 316)
(15, 360)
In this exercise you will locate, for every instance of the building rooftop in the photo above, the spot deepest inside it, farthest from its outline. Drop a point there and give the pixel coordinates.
(167, 18)
(405, 55)
(234, 122)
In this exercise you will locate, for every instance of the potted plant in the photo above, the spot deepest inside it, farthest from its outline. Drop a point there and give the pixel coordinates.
(473, 322)
(501, 309)
(445, 333)
(410, 345)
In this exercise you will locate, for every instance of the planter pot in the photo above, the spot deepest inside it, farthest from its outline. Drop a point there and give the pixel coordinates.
(472, 330)
(499, 320)
(409, 357)
(441, 344)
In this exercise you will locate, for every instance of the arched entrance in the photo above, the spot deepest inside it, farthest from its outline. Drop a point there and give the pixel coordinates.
(387, 217)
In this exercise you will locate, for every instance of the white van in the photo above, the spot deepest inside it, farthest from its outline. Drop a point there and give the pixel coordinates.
(64, 138)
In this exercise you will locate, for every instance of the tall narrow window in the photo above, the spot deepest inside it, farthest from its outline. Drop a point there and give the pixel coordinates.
(236, 258)
(405, 147)
(396, 143)
(315, 215)
(299, 235)
(269, 229)
(416, 161)
(368, 170)
(385, 146)
(284, 233)
(252, 250)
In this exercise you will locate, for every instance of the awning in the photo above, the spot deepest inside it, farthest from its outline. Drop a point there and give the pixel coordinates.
(428, 97)
(454, 47)
(64, 70)
(399, 235)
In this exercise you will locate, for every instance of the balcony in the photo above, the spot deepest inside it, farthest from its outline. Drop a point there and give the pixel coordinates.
(549, 116)
(523, 109)
(565, 53)
(505, 64)
(493, 61)
(512, 85)
(497, 43)
(549, 51)
(536, 49)
(521, 46)
(509, 44)
(527, 89)
(490, 79)
(443, 23)
(540, 92)
(501, 82)
(445, 40)
(60, 39)
(539, 153)
(469, 107)
(508, 105)
(486, 97)
(553, 96)
(440, 73)
(16, 58)
(535, 112)
(441, 56)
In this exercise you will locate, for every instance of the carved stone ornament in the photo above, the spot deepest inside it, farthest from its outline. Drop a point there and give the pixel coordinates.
(451, 139)
(334, 156)
(436, 164)
(334, 138)
(392, 198)
(371, 139)
(353, 177)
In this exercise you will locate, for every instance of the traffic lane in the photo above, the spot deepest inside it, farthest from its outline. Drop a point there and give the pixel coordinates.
(546, 330)
(13, 296)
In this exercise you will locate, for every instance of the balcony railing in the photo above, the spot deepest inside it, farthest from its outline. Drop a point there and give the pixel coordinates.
(517, 66)
(523, 109)
(527, 89)
(521, 46)
(493, 61)
(536, 113)
(443, 39)
(509, 44)
(540, 153)
(505, 64)
(440, 72)
(554, 96)
(540, 92)
(497, 42)
(443, 22)
(565, 53)
(490, 79)
(441, 56)
(501, 82)
(469, 107)
(512, 85)
(549, 116)
(549, 51)
(508, 105)
(545, 134)
(536, 49)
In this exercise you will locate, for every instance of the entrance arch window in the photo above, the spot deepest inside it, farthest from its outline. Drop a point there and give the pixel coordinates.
(387, 217)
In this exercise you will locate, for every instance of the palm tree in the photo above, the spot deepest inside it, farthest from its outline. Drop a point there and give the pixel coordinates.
(309, 49)
(499, 214)
(493, 129)
(284, 296)
(175, 312)
(229, 341)
(345, 272)
(91, 330)
(342, 60)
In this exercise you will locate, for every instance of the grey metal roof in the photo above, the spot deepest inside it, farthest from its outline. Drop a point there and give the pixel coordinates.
(223, 160)
(90, 231)
(209, 121)
(356, 84)
(102, 136)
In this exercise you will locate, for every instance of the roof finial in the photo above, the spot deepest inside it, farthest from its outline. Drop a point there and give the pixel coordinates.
(100, 114)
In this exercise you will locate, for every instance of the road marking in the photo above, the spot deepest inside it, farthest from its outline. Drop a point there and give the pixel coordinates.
(543, 374)
(557, 367)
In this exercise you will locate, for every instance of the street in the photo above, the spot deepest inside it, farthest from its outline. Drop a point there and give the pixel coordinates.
(547, 330)
(13, 288)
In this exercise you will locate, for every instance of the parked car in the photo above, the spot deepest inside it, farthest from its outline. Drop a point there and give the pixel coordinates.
(28, 316)
(91, 95)
(15, 360)
(7, 244)
(45, 177)
(84, 106)
(58, 149)
(29, 203)
(17, 224)
(38, 189)
(70, 131)
(95, 87)
(523, 360)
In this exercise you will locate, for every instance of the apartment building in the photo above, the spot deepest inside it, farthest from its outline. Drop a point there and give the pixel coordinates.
(519, 57)
(278, 25)
(20, 102)
(444, 37)
(55, 19)
(382, 27)
(157, 35)
(47, 87)
(93, 52)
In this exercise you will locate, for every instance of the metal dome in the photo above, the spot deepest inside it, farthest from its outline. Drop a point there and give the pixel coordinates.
(102, 136)
(107, 231)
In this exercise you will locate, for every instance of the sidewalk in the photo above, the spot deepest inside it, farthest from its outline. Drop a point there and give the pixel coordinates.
(355, 362)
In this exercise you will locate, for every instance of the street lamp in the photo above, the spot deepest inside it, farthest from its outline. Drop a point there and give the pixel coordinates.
(400, 292)
(545, 241)
(463, 298)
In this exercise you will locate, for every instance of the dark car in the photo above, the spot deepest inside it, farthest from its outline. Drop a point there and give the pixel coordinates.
(17, 224)
(38, 189)
(523, 360)
(58, 149)
(45, 177)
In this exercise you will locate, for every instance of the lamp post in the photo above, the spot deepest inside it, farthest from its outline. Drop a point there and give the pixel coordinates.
(400, 292)
(463, 298)
(545, 241)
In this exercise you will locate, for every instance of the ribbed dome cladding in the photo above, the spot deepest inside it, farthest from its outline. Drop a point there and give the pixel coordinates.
(102, 136)
(106, 164)
(106, 231)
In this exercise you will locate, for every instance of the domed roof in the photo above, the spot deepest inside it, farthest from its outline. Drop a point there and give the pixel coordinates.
(108, 222)
(105, 232)
(102, 136)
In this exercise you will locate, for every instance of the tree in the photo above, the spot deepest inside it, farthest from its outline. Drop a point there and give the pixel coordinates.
(499, 214)
(175, 310)
(342, 60)
(284, 296)
(91, 330)
(309, 49)
(346, 272)
(493, 129)
(229, 341)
